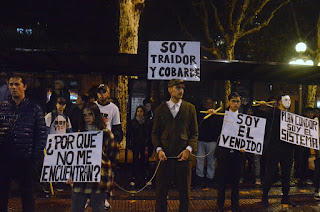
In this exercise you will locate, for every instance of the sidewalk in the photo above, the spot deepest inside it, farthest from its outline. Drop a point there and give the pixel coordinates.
(201, 200)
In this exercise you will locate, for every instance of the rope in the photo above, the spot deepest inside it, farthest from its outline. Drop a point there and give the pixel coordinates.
(200, 156)
(135, 192)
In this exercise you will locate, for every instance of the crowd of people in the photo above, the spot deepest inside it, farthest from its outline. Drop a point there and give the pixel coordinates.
(175, 131)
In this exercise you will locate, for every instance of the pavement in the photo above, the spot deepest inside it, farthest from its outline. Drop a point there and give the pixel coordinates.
(201, 200)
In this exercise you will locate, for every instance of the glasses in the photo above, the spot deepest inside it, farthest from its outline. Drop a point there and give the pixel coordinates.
(180, 86)
(87, 114)
(102, 91)
(61, 103)
(235, 101)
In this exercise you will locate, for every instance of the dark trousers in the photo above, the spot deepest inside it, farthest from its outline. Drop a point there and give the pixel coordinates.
(180, 172)
(228, 172)
(272, 161)
(22, 170)
(79, 201)
(139, 163)
(301, 162)
(316, 181)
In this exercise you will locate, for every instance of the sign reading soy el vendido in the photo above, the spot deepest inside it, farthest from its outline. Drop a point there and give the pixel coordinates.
(174, 60)
(299, 130)
(240, 131)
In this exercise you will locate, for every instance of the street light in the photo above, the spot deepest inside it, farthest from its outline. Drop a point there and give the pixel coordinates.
(301, 47)
(302, 60)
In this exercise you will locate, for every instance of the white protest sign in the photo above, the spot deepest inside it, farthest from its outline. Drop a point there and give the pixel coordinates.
(240, 131)
(299, 130)
(73, 155)
(174, 60)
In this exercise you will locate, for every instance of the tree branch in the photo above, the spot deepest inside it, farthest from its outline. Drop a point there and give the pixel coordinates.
(233, 5)
(213, 51)
(184, 29)
(242, 15)
(206, 25)
(217, 19)
(256, 13)
(264, 24)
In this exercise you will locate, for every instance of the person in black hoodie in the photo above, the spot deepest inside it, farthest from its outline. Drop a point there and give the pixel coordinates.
(278, 151)
(209, 132)
(139, 137)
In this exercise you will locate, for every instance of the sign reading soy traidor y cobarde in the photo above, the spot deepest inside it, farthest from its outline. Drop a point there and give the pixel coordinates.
(240, 131)
(174, 60)
(299, 130)
(73, 155)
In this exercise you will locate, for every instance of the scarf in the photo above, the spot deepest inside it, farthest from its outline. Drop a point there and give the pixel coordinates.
(140, 119)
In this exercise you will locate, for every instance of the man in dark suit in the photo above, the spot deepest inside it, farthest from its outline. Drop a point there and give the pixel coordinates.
(174, 134)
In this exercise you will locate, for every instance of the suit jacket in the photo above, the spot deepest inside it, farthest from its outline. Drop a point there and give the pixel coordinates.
(173, 135)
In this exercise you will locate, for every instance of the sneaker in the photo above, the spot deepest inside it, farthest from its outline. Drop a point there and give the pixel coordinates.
(288, 203)
(258, 181)
(316, 196)
(87, 204)
(46, 189)
(107, 205)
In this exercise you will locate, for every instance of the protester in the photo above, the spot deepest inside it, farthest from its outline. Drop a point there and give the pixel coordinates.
(4, 91)
(75, 111)
(229, 163)
(175, 131)
(22, 140)
(109, 111)
(59, 89)
(96, 192)
(209, 132)
(148, 107)
(278, 151)
(57, 121)
(316, 155)
(139, 140)
(301, 157)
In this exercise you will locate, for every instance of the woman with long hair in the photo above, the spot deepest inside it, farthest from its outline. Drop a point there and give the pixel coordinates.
(96, 192)
(139, 137)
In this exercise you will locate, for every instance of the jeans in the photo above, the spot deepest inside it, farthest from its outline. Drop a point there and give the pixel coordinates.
(79, 200)
(203, 149)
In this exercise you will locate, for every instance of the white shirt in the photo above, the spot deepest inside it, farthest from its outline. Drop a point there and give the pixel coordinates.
(174, 109)
(59, 125)
(110, 114)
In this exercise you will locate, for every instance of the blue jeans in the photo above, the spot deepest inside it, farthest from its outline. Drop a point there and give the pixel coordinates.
(203, 149)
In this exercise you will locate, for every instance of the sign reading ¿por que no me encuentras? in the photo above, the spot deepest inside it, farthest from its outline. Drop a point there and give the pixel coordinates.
(174, 60)
(241, 131)
(73, 155)
(299, 130)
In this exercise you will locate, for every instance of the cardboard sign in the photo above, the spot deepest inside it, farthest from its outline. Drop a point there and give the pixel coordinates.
(174, 60)
(299, 130)
(73, 155)
(240, 131)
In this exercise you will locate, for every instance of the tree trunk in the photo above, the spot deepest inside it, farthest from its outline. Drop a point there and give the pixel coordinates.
(130, 11)
(312, 90)
(227, 85)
